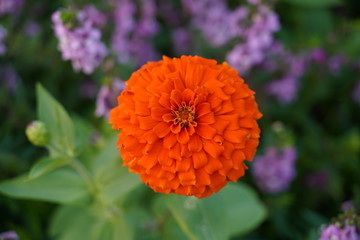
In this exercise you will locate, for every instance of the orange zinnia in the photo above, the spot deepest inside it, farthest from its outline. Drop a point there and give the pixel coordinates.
(187, 125)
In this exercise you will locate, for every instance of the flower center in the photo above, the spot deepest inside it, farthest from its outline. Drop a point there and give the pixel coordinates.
(184, 116)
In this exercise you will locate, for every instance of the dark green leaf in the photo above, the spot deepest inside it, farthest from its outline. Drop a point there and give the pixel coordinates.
(315, 3)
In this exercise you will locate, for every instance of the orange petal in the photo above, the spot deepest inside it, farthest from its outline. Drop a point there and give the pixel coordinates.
(199, 159)
(183, 136)
(188, 177)
(238, 158)
(183, 165)
(174, 152)
(164, 100)
(206, 119)
(169, 141)
(212, 148)
(213, 165)
(147, 123)
(162, 129)
(202, 177)
(195, 143)
(205, 131)
(235, 136)
(202, 109)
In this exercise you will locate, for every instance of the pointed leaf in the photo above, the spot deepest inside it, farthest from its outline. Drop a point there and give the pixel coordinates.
(57, 121)
(46, 165)
(63, 185)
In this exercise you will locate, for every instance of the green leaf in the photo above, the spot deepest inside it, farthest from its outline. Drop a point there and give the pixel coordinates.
(314, 3)
(114, 180)
(63, 185)
(46, 165)
(57, 121)
(234, 210)
(71, 223)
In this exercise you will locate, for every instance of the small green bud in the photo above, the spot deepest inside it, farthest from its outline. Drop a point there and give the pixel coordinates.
(37, 133)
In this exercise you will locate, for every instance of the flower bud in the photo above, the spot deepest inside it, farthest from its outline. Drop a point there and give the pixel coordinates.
(37, 133)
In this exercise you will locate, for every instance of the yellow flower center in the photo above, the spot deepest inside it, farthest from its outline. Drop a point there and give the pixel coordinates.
(184, 116)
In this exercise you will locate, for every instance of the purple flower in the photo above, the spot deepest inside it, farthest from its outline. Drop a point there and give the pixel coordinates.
(3, 34)
(10, 6)
(131, 40)
(32, 29)
(356, 93)
(333, 232)
(335, 63)
(82, 44)
(181, 40)
(106, 98)
(9, 78)
(285, 89)
(274, 171)
(90, 13)
(318, 55)
(10, 235)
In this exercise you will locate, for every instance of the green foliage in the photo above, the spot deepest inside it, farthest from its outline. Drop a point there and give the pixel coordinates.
(63, 185)
(314, 3)
(58, 122)
(234, 210)
(46, 165)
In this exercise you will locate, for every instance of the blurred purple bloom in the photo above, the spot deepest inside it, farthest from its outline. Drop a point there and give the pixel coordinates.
(10, 235)
(257, 37)
(131, 38)
(318, 55)
(90, 13)
(333, 232)
(347, 206)
(9, 78)
(335, 63)
(106, 98)
(10, 6)
(88, 89)
(274, 171)
(181, 40)
(356, 93)
(285, 89)
(32, 29)
(82, 45)
(318, 180)
(3, 34)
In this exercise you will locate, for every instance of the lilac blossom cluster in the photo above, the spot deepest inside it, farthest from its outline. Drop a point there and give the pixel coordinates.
(3, 33)
(275, 170)
(252, 25)
(9, 235)
(81, 43)
(10, 6)
(346, 226)
(134, 28)
(106, 98)
(285, 88)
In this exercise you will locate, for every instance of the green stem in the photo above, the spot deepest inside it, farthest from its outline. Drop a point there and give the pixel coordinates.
(80, 168)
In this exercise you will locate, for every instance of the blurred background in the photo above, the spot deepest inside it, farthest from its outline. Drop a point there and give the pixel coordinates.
(301, 57)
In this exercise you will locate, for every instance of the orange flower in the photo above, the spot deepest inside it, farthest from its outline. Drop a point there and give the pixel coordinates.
(187, 125)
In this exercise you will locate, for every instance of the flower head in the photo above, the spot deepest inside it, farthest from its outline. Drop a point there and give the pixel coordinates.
(274, 171)
(187, 125)
(80, 41)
